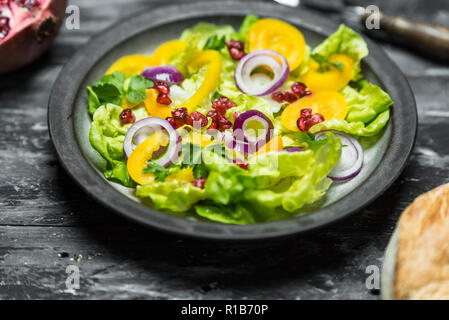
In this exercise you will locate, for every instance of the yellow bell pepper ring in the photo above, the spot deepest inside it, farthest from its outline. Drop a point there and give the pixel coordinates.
(138, 159)
(135, 64)
(207, 57)
(278, 36)
(330, 104)
(154, 108)
(332, 79)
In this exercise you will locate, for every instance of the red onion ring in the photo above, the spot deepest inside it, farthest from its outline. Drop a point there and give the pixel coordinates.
(351, 160)
(292, 149)
(240, 131)
(251, 61)
(146, 127)
(166, 73)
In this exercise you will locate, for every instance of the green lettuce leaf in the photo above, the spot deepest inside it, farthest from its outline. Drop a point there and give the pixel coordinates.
(247, 23)
(236, 214)
(366, 104)
(347, 41)
(106, 135)
(355, 128)
(286, 180)
(172, 195)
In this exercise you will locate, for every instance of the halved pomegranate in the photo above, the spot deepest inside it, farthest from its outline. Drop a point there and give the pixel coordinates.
(27, 28)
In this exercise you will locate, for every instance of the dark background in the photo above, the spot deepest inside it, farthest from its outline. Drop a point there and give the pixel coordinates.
(44, 216)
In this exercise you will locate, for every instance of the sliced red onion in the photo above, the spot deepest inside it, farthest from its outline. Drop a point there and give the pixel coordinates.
(241, 133)
(351, 160)
(292, 149)
(254, 84)
(166, 73)
(142, 129)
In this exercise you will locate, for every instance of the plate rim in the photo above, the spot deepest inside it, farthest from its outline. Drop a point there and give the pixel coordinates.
(62, 132)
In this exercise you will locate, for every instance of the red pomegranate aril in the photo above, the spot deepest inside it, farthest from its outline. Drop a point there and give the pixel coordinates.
(235, 115)
(4, 2)
(163, 99)
(307, 112)
(180, 113)
(316, 118)
(235, 44)
(199, 183)
(241, 164)
(162, 87)
(304, 124)
(224, 123)
(236, 54)
(199, 117)
(299, 89)
(127, 116)
(278, 96)
(213, 125)
(290, 97)
(4, 21)
(212, 114)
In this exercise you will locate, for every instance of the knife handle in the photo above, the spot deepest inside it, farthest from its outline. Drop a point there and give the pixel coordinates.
(428, 38)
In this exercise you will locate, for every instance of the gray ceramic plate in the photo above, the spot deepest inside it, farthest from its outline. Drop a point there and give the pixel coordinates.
(69, 121)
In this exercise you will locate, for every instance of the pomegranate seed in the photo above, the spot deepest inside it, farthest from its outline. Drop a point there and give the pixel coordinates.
(307, 112)
(316, 118)
(199, 183)
(235, 115)
(224, 123)
(290, 97)
(4, 21)
(29, 4)
(236, 54)
(235, 44)
(212, 114)
(299, 89)
(163, 99)
(127, 116)
(199, 117)
(304, 124)
(241, 164)
(180, 113)
(213, 125)
(4, 2)
(162, 87)
(278, 96)
(222, 104)
(308, 93)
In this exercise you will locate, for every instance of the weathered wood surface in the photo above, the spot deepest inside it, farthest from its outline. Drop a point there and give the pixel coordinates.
(43, 212)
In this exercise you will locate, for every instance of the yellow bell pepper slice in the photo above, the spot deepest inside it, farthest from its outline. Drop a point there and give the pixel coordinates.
(330, 104)
(213, 59)
(184, 175)
(138, 159)
(154, 108)
(166, 51)
(278, 36)
(135, 64)
(274, 144)
(332, 79)
(200, 139)
(131, 65)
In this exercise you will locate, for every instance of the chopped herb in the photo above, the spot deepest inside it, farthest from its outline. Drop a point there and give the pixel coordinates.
(307, 138)
(324, 63)
(159, 171)
(215, 43)
(191, 158)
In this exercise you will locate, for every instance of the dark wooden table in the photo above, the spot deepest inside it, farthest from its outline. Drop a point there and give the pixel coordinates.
(48, 223)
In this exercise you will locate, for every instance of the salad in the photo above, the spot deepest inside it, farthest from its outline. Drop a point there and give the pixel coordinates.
(237, 126)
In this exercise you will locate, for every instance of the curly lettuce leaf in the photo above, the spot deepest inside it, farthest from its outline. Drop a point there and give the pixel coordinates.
(174, 195)
(355, 128)
(106, 136)
(364, 105)
(347, 41)
(236, 214)
(286, 180)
